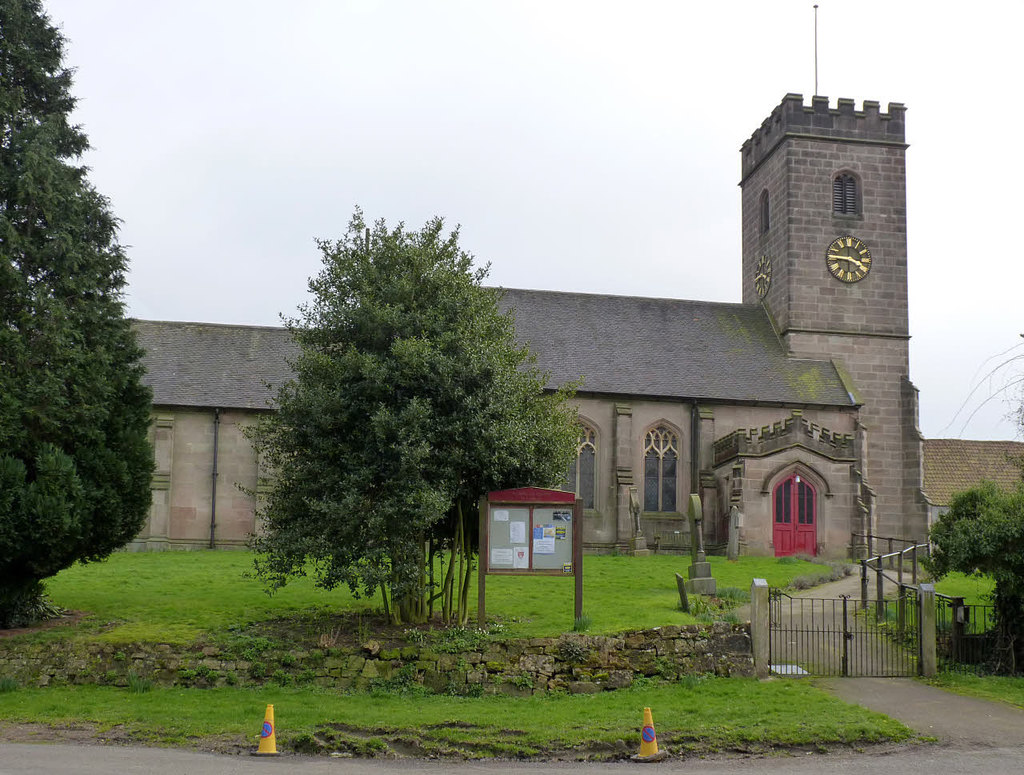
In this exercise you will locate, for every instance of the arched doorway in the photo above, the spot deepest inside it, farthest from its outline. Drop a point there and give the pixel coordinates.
(795, 517)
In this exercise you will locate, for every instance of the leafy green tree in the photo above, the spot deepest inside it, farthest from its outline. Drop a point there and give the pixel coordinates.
(983, 532)
(75, 462)
(411, 399)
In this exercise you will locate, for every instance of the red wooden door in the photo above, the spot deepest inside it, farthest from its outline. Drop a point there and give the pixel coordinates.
(794, 517)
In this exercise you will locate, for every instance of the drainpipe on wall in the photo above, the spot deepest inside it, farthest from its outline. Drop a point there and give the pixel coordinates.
(694, 449)
(213, 494)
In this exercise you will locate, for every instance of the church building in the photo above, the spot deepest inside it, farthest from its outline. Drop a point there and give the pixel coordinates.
(791, 414)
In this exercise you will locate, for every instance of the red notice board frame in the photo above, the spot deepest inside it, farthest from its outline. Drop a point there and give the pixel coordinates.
(529, 499)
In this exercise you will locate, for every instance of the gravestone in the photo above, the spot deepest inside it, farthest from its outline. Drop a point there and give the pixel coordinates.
(735, 523)
(701, 582)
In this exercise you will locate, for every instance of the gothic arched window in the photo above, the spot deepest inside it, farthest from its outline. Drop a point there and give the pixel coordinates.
(582, 477)
(844, 194)
(661, 452)
(765, 212)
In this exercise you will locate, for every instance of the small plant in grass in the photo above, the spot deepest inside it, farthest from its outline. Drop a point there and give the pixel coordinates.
(137, 684)
(8, 684)
(454, 640)
(734, 595)
(415, 636)
(257, 670)
(582, 624)
(689, 681)
(790, 560)
(701, 607)
(231, 678)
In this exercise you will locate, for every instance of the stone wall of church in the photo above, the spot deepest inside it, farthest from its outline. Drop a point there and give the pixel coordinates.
(622, 426)
(183, 484)
(183, 439)
(879, 368)
(748, 480)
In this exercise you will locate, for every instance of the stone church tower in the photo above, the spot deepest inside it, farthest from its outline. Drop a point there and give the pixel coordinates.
(825, 251)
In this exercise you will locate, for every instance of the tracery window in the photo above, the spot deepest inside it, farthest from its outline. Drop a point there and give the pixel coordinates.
(844, 194)
(582, 476)
(661, 453)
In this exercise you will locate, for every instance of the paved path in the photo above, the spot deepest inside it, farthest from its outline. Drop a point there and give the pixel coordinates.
(952, 718)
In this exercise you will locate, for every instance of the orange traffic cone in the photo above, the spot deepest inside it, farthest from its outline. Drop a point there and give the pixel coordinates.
(268, 735)
(649, 742)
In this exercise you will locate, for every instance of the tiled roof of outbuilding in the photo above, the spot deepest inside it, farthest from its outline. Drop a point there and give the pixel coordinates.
(621, 345)
(952, 465)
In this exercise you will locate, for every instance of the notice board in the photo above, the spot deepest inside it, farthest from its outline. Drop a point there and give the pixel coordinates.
(530, 531)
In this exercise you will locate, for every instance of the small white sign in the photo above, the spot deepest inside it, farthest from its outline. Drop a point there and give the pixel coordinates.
(500, 556)
(544, 545)
(517, 532)
(520, 558)
(501, 515)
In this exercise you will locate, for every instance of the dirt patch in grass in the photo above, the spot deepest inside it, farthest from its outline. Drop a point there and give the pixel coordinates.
(71, 618)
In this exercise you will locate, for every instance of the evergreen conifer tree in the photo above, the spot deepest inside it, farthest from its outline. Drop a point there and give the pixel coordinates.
(75, 461)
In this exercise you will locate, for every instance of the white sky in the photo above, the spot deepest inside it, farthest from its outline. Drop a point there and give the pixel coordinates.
(584, 146)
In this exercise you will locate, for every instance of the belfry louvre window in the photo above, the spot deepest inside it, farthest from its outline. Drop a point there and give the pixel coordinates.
(661, 453)
(765, 212)
(844, 194)
(582, 477)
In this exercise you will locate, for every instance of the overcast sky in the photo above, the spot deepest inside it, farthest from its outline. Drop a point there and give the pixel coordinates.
(583, 146)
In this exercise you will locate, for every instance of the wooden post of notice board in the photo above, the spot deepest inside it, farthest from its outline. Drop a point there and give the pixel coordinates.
(577, 556)
(481, 572)
(530, 531)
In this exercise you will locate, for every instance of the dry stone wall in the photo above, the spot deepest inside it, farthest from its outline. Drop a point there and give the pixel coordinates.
(573, 663)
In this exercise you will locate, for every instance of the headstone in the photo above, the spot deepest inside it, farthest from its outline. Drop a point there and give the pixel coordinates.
(735, 523)
(684, 601)
(700, 582)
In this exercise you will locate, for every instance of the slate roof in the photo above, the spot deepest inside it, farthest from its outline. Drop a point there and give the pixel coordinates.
(952, 465)
(213, 365)
(668, 348)
(621, 345)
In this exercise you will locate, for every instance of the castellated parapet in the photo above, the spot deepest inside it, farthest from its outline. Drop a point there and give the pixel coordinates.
(791, 118)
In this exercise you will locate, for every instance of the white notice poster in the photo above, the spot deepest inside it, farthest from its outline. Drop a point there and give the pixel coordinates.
(517, 532)
(544, 545)
(520, 558)
(501, 557)
(501, 515)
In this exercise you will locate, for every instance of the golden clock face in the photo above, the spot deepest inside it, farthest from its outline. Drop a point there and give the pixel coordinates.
(763, 275)
(848, 259)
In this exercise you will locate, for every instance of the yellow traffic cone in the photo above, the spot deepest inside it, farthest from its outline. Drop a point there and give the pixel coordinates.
(649, 742)
(268, 735)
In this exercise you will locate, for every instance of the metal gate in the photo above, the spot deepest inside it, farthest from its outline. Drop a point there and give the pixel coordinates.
(838, 637)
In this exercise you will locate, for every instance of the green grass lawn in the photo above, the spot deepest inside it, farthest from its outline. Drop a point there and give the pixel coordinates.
(974, 589)
(177, 597)
(989, 687)
(697, 715)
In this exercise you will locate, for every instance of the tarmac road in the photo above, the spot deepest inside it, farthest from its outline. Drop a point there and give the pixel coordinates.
(29, 759)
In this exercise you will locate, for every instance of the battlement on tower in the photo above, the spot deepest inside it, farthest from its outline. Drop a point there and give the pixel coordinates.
(791, 118)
